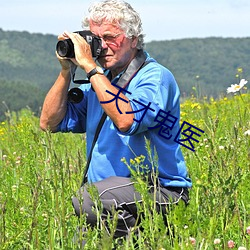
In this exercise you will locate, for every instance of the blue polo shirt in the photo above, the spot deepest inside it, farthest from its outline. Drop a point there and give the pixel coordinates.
(154, 87)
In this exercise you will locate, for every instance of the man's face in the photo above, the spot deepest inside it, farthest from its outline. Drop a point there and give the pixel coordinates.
(118, 50)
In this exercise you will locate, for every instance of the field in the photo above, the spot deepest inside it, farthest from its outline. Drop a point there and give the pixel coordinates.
(40, 172)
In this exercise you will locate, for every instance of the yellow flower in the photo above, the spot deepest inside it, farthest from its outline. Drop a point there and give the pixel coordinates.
(195, 105)
(138, 160)
(132, 162)
(240, 70)
(183, 113)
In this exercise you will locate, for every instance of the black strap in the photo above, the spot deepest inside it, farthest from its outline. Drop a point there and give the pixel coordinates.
(97, 132)
(136, 64)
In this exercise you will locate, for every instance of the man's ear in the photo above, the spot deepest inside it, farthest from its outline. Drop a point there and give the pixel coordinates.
(134, 42)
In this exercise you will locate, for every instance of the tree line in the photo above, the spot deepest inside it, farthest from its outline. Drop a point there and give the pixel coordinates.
(204, 67)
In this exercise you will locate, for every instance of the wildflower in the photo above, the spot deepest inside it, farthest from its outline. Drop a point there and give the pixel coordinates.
(247, 133)
(230, 244)
(242, 248)
(195, 105)
(45, 216)
(216, 241)
(221, 147)
(132, 162)
(192, 240)
(22, 210)
(198, 182)
(248, 230)
(240, 70)
(237, 87)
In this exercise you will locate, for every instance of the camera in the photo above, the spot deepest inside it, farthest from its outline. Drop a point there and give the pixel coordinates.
(65, 48)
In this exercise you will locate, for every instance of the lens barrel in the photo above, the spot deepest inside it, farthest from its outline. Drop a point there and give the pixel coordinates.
(65, 48)
(75, 95)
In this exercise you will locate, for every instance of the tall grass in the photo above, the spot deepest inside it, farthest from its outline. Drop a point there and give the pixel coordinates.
(40, 172)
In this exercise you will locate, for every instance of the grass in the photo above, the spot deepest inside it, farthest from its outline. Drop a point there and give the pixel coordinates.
(40, 172)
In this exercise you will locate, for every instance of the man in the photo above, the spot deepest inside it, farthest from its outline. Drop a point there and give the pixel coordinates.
(137, 94)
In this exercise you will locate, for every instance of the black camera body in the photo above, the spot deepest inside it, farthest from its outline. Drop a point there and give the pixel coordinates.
(65, 48)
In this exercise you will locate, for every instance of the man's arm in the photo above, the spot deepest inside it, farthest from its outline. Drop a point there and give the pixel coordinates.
(100, 83)
(55, 103)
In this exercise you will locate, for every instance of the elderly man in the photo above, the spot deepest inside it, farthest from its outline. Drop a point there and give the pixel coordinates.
(137, 95)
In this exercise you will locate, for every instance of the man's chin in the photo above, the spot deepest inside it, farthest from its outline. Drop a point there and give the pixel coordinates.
(105, 63)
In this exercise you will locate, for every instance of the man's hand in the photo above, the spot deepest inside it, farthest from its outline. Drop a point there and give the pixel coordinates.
(66, 63)
(83, 54)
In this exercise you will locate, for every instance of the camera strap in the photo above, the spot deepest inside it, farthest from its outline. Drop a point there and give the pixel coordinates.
(97, 132)
(136, 64)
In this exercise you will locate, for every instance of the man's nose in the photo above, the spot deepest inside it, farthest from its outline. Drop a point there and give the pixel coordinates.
(104, 44)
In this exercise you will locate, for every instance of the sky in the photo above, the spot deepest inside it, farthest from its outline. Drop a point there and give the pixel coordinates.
(162, 19)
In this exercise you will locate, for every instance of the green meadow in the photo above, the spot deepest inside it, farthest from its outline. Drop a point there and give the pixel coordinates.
(40, 172)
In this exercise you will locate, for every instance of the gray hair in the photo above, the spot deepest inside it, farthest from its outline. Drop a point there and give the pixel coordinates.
(120, 13)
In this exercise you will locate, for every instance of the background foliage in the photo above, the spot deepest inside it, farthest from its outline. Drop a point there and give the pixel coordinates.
(28, 66)
(40, 172)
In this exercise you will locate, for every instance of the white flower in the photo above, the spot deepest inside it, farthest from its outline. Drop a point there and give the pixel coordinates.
(237, 87)
(217, 241)
(192, 240)
(221, 147)
(246, 133)
(22, 210)
(248, 230)
(242, 248)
